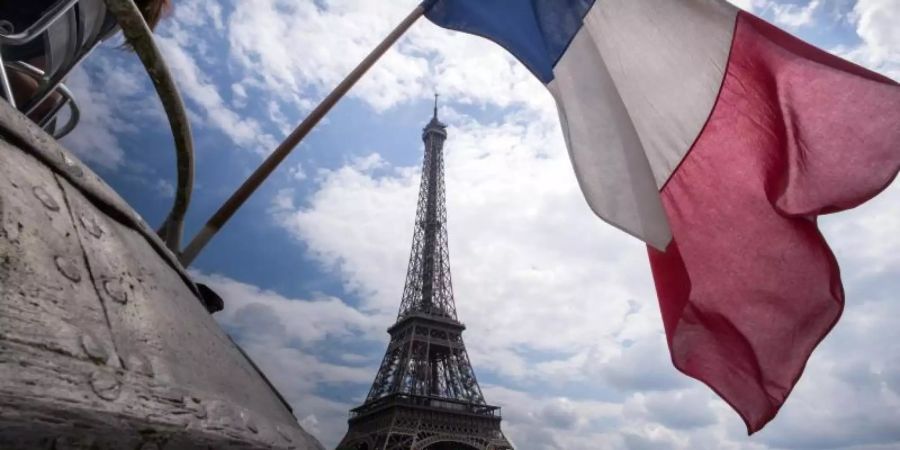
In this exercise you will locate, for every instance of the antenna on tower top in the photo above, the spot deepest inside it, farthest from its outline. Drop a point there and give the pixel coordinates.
(435, 104)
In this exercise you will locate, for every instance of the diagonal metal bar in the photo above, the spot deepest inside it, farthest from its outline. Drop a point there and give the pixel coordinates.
(237, 199)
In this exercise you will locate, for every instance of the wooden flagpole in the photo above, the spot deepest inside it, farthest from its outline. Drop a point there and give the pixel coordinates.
(215, 223)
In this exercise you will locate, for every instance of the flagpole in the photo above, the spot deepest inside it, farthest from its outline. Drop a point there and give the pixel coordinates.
(215, 223)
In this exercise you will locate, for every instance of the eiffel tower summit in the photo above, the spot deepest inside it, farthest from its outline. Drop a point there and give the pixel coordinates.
(425, 395)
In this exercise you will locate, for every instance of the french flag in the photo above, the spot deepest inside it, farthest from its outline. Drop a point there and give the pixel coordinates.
(717, 139)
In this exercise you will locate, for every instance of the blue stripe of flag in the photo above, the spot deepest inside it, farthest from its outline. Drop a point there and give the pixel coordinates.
(537, 32)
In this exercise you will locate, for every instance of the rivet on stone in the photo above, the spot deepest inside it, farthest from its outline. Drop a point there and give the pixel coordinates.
(283, 433)
(92, 347)
(105, 385)
(72, 443)
(173, 395)
(220, 415)
(45, 198)
(11, 230)
(91, 226)
(195, 405)
(248, 422)
(68, 269)
(139, 363)
(72, 167)
(116, 291)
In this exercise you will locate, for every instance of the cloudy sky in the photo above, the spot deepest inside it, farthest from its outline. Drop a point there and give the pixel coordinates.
(563, 325)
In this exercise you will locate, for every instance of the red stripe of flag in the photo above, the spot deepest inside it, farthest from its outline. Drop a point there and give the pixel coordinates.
(749, 287)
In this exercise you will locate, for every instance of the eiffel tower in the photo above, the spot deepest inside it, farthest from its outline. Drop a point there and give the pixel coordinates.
(425, 395)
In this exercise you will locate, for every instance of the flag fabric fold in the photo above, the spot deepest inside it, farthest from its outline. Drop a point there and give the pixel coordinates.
(749, 286)
(717, 139)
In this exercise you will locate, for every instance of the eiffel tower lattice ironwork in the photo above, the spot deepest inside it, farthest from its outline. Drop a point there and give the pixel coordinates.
(425, 395)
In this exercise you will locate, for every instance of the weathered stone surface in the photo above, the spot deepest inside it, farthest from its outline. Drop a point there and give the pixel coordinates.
(22, 133)
(104, 343)
(46, 302)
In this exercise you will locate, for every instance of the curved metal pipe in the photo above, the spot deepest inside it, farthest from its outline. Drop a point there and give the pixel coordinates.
(74, 114)
(4, 84)
(61, 89)
(140, 38)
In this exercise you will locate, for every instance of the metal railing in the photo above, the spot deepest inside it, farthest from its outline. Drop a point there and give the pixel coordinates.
(443, 404)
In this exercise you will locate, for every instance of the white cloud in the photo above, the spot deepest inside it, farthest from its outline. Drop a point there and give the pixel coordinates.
(165, 188)
(338, 34)
(750, 5)
(368, 163)
(786, 14)
(296, 172)
(284, 336)
(239, 94)
(333, 39)
(679, 410)
(97, 137)
(193, 84)
(277, 117)
(547, 422)
(304, 321)
(795, 16)
(876, 24)
(178, 40)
